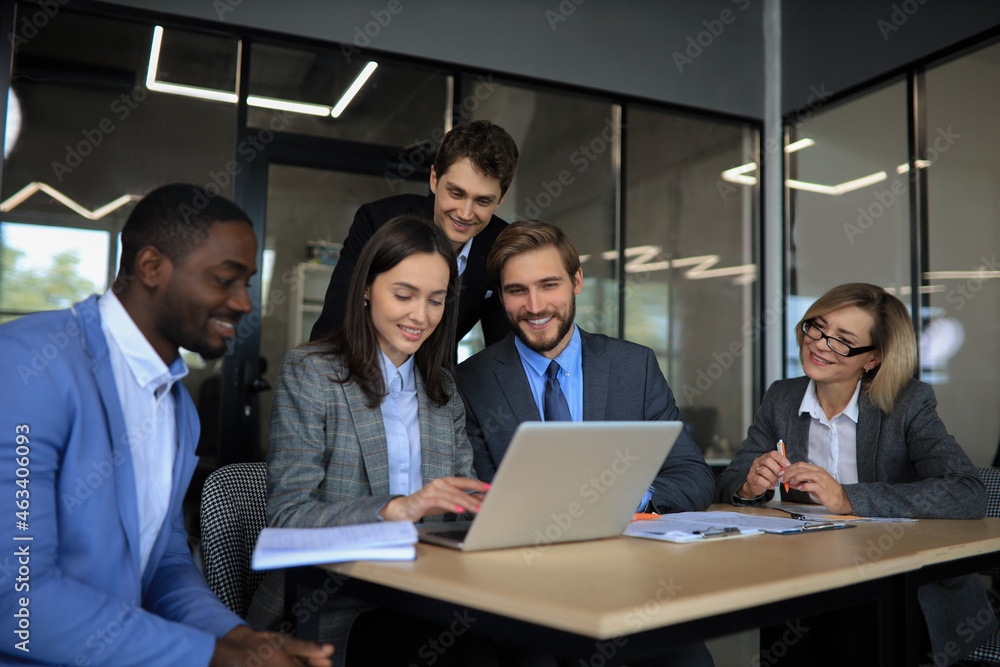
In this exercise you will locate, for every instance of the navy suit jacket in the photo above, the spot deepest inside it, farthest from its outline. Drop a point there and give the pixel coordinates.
(908, 466)
(478, 298)
(88, 601)
(497, 398)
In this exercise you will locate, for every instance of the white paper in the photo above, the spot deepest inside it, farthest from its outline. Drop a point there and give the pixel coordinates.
(287, 547)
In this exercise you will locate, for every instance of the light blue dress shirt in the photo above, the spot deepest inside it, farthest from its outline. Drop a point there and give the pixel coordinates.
(462, 259)
(570, 363)
(400, 415)
(144, 383)
(570, 381)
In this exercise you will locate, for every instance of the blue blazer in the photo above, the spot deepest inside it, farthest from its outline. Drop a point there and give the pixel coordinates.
(497, 398)
(88, 602)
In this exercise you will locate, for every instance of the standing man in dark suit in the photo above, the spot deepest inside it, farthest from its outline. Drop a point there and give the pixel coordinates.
(469, 179)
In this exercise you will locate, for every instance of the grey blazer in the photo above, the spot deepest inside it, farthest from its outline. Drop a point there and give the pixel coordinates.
(621, 382)
(327, 465)
(908, 466)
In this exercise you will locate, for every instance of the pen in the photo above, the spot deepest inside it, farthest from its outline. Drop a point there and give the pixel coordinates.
(781, 450)
(714, 531)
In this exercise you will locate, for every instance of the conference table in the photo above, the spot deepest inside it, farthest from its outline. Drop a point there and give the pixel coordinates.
(626, 597)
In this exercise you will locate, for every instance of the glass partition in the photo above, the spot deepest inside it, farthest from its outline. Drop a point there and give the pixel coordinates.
(960, 343)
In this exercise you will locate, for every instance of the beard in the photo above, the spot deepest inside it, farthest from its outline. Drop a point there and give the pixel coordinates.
(545, 345)
(178, 328)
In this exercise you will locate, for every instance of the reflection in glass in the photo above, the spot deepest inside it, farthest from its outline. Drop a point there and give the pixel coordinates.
(690, 267)
(309, 212)
(848, 203)
(566, 173)
(396, 104)
(960, 342)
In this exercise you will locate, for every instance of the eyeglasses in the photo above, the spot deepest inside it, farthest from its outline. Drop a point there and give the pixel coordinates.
(810, 329)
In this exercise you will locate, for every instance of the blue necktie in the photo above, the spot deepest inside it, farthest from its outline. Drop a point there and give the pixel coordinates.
(556, 407)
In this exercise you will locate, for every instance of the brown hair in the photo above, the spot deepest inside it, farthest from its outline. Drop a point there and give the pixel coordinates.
(356, 341)
(525, 235)
(891, 334)
(488, 146)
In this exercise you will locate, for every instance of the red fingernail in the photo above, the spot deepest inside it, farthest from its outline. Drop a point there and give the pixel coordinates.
(459, 509)
(479, 507)
(486, 486)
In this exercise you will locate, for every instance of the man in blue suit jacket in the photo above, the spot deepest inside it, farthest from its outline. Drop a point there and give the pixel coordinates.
(98, 447)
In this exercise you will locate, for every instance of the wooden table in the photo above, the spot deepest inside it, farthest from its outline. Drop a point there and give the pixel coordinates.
(582, 597)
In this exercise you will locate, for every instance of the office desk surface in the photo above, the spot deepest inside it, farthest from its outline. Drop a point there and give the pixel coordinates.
(623, 585)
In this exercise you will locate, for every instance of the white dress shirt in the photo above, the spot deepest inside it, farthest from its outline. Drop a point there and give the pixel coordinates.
(833, 443)
(401, 417)
(144, 383)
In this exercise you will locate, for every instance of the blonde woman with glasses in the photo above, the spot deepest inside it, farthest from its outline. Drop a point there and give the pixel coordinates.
(863, 437)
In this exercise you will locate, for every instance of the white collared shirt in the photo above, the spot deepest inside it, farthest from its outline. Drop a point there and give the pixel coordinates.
(833, 443)
(463, 257)
(144, 383)
(401, 418)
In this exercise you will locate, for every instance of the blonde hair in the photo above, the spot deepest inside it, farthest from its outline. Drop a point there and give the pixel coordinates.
(891, 334)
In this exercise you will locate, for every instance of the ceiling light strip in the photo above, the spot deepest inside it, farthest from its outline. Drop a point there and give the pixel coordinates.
(353, 89)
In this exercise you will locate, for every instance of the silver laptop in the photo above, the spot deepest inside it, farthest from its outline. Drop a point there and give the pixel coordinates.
(563, 482)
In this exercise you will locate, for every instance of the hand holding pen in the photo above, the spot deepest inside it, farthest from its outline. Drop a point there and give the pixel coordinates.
(764, 474)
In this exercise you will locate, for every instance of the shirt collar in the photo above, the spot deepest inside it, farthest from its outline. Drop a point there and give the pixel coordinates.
(568, 359)
(810, 404)
(389, 371)
(463, 256)
(143, 362)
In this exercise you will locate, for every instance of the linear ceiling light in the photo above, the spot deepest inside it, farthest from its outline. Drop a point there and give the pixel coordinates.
(839, 189)
(24, 193)
(175, 88)
(921, 164)
(799, 145)
(736, 174)
(288, 105)
(353, 90)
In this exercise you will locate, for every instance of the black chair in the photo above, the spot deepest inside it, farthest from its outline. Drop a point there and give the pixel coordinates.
(233, 512)
(989, 651)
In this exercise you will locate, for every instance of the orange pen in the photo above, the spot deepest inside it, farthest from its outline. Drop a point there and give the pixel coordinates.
(781, 450)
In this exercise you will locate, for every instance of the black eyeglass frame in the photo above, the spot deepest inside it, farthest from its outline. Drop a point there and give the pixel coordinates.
(851, 351)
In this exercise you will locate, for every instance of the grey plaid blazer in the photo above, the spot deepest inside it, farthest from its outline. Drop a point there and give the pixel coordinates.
(908, 466)
(327, 465)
